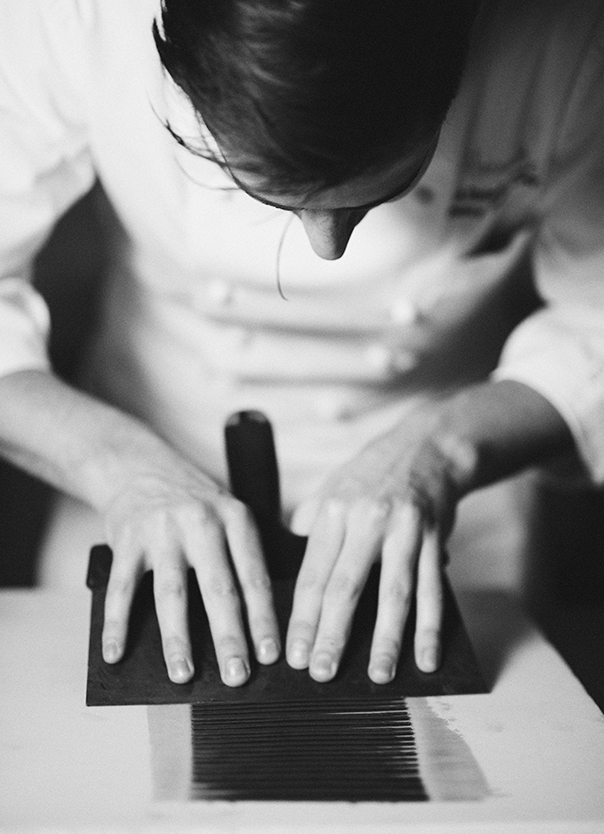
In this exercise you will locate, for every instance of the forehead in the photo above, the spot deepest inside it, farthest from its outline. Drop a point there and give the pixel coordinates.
(370, 189)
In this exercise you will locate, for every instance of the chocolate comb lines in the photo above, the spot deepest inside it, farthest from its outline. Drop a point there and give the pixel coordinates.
(305, 751)
(296, 750)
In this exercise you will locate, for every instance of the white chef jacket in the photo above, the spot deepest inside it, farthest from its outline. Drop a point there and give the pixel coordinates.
(194, 326)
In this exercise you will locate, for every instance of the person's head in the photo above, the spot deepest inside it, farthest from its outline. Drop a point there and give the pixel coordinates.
(308, 99)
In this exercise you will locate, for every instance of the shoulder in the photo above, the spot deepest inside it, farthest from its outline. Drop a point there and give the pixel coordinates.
(554, 37)
(536, 72)
(42, 56)
(48, 48)
(569, 20)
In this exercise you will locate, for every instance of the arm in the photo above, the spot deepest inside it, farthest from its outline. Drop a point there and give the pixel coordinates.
(396, 501)
(161, 512)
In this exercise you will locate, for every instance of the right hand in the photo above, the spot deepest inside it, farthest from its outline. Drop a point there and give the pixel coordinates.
(169, 517)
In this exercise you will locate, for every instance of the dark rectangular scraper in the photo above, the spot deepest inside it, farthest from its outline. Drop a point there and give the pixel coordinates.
(140, 678)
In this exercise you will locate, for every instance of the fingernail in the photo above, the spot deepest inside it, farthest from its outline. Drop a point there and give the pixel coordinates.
(180, 670)
(268, 650)
(236, 671)
(430, 659)
(111, 651)
(382, 672)
(323, 667)
(298, 654)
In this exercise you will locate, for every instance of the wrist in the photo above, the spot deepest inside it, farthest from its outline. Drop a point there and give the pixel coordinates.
(72, 441)
(461, 455)
(122, 451)
(493, 430)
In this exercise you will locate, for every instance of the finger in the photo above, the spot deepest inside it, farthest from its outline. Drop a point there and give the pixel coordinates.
(118, 601)
(170, 588)
(207, 553)
(255, 583)
(321, 553)
(304, 517)
(429, 604)
(361, 545)
(397, 585)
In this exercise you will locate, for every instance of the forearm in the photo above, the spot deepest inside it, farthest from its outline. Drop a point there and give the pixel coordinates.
(70, 440)
(493, 430)
(161, 513)
(398, 499)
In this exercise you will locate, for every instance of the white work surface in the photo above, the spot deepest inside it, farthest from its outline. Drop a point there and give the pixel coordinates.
(537, 738)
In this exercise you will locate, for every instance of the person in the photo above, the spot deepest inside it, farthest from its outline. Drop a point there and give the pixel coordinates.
(429, 153)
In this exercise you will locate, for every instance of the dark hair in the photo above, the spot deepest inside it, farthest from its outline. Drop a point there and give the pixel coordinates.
(306, 94)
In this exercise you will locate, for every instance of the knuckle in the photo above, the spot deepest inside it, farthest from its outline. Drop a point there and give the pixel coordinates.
(343, 586)
(237, 513)
(261, 625)
(388, 646)
(331, 642)
(222, 586)
(200, 514)
(120, 587)
(378, 511)
(171, 587)
(412, 511)
(256, 581)
(428, 633)
(399, 592)
(111, 627)
(308, 580)
(173, 645)
(431, 595)
(426, 636)
(303, 629)
(227, 644)
(334, 507)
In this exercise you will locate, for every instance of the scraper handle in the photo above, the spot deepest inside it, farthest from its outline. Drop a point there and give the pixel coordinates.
(252, 464)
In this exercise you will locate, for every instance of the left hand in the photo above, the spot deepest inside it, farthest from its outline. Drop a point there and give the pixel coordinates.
(396, 502)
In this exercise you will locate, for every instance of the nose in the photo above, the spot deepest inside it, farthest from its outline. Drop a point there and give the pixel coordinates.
(329, 230)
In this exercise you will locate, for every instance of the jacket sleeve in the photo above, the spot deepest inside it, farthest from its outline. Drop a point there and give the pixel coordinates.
(45, 164)
(559, 351)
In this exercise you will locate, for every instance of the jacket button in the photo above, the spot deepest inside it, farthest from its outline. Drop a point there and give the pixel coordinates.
(220, 292)
(404, 311)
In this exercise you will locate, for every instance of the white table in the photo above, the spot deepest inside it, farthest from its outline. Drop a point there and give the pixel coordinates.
(537, 738)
